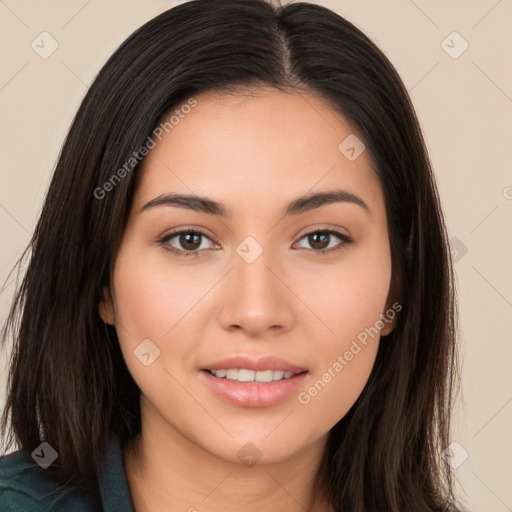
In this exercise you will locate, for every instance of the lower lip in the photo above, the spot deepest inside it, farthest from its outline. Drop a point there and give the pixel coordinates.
(253, 394)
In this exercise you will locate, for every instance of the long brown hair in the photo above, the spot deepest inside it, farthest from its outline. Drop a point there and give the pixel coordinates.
(68, 383)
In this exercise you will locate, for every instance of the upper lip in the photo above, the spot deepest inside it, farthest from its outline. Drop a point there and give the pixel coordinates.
(260, 364)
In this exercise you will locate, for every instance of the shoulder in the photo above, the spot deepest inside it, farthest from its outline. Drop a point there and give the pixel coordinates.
(25, 486)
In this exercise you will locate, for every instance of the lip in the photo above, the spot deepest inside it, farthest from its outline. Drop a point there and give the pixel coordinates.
(261, 364)
(252, 394)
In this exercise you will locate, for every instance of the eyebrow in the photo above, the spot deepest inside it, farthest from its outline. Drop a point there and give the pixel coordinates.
(296, 207)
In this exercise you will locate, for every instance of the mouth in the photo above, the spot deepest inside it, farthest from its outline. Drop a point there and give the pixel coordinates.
(253, 376)
(250, 388)
(251, 381)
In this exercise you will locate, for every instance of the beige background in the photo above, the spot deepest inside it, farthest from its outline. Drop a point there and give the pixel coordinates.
(465, 108)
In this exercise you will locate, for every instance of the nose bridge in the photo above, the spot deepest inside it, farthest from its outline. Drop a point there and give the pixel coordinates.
(257, 298)
(252, 268)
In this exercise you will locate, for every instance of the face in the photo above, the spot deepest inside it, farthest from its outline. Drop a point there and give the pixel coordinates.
(298, 288)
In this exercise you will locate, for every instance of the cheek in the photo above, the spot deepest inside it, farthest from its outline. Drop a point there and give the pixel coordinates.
(344, 354)
(351, 302)
(331, 393)
(350, 295)
(157, 301)
(349, 305)
(153, 295)
(146, 309)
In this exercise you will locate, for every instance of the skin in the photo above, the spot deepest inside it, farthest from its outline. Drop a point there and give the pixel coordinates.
(254, 153)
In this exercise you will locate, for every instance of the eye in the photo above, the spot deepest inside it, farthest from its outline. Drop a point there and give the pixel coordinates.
(189, 239)
(320, 240)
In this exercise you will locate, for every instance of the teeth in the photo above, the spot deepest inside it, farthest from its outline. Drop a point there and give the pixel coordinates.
(242, 375)
(231, 374)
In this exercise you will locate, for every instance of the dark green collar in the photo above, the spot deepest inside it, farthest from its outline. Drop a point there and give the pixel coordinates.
(114, 490)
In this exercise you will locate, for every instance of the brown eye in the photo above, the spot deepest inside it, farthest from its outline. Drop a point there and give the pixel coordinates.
(185, 243)
(323, 241)
(319, 240)
(190, 241)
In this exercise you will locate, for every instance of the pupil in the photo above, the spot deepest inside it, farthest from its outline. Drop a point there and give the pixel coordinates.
(186, 243)
(325, 236)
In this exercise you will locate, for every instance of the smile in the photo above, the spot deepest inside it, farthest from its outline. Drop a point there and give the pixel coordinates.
(251, 392)
(243, 375)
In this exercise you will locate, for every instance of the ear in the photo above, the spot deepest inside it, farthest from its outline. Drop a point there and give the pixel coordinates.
(106, 307)
(395, 294)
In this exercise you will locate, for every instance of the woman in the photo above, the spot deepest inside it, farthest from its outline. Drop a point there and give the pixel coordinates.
(239, 290)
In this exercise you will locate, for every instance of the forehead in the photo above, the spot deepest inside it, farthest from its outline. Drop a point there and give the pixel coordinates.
(257, 147)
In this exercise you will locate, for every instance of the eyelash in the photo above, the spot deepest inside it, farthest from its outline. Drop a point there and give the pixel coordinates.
(164, 241)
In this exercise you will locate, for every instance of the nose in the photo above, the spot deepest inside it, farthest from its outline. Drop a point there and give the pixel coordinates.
(256, 297)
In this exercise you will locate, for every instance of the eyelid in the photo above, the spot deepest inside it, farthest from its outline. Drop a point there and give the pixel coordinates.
(324, 227)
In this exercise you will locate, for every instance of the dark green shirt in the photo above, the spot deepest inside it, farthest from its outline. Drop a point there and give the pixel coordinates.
(25, 487)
